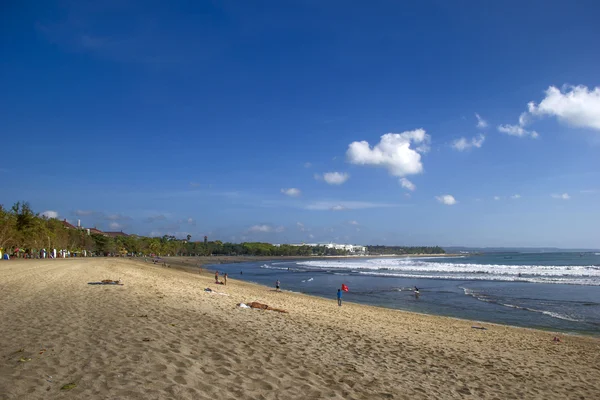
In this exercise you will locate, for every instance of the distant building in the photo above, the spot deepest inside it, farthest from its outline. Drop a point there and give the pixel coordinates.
(94, 231)
(67, 224)
(350, 248)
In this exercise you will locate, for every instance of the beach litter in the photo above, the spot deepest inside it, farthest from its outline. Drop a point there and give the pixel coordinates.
(242, 305)
(107, 282)
(479, 327)
(23, 359)
(68, 386)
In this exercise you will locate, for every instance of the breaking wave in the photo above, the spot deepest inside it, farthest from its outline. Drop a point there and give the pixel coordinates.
(426, 268)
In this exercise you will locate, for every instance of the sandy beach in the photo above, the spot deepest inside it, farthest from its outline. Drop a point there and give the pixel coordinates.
(161, 336)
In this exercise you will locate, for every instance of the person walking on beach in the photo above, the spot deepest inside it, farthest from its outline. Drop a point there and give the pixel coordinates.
(277, 285)
(225, 278)
(339, 297)
(216, 276)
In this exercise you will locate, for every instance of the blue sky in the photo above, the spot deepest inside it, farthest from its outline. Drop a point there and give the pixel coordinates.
(198, 117)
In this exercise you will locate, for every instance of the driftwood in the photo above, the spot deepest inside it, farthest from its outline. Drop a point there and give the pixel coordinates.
(262, 306)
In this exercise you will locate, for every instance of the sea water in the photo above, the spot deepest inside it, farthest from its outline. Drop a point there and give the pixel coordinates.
(554, 291)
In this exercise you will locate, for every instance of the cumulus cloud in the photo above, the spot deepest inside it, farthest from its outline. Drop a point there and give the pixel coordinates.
(574, 105)
(481, 123)
(50, 214)
(517, 130)
(393, 152)
(292, 192)
(406, 184)
(334, 178)
(446, 199)
(463, 143)
(515, 196)
(563, 196)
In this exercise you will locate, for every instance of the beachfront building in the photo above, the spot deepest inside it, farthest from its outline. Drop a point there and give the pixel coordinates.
(350, 248)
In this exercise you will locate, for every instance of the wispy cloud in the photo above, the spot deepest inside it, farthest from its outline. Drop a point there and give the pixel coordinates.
(463, 143)
(481, 123)
(405, 183)
(346, 205)
(264, 228)
(154, 218)
(590, 191)
(292, 192)
(515, 196)
(307, 165)
(563, 196)
(194, 185)
(518, 131)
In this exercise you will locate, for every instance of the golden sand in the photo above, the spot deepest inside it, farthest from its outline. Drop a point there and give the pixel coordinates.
(160, 336)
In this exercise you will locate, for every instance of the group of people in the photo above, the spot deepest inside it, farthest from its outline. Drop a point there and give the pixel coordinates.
(224, 281)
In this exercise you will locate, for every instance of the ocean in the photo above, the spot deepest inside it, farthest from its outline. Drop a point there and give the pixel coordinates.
(551, 291)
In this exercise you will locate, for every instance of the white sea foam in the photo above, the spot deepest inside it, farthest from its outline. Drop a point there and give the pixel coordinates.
(419, 268)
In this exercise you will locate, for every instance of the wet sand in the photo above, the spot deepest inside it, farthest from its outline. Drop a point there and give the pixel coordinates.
(160, 335)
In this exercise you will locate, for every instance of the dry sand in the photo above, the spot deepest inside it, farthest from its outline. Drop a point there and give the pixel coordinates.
(160, 336)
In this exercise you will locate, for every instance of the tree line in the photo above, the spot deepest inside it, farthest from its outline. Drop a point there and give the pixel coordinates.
(24, 233)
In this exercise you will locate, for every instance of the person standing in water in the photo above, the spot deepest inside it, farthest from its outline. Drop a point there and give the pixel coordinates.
(277, 284)
(339, 297)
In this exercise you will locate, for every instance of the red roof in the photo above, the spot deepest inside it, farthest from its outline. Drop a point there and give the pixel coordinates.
(67, 225)
(94, 231)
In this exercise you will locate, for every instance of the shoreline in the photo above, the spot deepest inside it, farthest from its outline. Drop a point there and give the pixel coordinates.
(161, 335)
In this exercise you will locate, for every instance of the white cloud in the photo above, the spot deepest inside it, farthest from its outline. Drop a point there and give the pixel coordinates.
(338, 207)
(563, 196)
(349, 205)
(353, 222)
(517, 130)
(515, 196)
(463, 143)
(393, 152)
(496, 198)
(307, 165)
(279, 229)
(292, 192)
(446, 199)
(575, 105)
(50, 214)
(194, 184)
(261, 228)
(191, 221)
(333, 178)
(481, 123)
(115, 225)
(311, 236)
(300, 226)
(589, 191)
(407, 184)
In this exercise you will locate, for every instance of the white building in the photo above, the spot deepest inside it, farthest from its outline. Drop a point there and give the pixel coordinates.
(350, 248)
